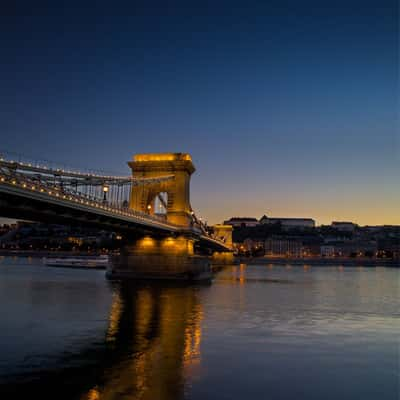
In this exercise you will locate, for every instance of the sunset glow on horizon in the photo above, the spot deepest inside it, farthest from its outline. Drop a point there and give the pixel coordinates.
(289, 112)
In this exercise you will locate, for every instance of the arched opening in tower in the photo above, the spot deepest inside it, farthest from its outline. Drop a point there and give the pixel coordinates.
(160, 205)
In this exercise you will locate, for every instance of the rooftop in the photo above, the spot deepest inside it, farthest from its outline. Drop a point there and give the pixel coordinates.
(288, 218)
(162, 157)
(243, 219)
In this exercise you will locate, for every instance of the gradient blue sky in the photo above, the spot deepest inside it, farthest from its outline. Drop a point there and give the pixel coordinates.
(287, 108)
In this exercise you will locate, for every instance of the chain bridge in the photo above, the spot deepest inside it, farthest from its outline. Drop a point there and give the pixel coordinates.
(151, 206)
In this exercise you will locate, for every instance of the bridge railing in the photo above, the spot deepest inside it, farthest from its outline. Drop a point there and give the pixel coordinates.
(30, 184)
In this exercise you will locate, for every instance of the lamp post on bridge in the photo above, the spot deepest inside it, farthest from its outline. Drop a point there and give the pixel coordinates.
(105, 190)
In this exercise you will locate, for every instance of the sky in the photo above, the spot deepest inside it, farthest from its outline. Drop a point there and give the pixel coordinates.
(288, 108)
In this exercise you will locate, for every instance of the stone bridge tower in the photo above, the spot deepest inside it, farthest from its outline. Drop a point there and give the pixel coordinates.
(177, 189)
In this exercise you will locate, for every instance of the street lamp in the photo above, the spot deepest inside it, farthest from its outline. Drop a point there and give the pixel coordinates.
(105, 190)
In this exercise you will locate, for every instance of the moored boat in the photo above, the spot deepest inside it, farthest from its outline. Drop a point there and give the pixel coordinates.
(86, 262)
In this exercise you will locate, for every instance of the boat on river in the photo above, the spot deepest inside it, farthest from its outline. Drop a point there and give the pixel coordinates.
(86, 262)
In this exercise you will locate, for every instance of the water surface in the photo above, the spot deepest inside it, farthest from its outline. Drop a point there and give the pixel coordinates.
(262, 332)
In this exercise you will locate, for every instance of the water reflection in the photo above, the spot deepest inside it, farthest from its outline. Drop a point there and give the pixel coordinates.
(151, 345)
(156, 333)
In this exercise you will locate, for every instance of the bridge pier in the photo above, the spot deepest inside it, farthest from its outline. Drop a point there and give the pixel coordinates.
(170, 258)
(222, 258)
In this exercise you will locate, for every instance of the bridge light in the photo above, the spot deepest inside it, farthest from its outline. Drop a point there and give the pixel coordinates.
(105, 190)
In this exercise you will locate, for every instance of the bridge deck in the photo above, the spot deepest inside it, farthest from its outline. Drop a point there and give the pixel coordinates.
(54, 195)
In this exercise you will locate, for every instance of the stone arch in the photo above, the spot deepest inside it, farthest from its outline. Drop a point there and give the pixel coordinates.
(160, 204)
(178, 190)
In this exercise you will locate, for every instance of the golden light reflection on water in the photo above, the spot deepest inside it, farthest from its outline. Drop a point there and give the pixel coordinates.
(155, 335)
(191, 356)
(237, 275)
(233, 274)
(115, 314)
(93, 394)
(242, 274)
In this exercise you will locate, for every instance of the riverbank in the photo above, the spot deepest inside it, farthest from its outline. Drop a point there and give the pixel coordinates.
(344, 261)
(44, 253)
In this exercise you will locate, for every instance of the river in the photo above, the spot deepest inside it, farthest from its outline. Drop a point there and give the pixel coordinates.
(257, 332)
